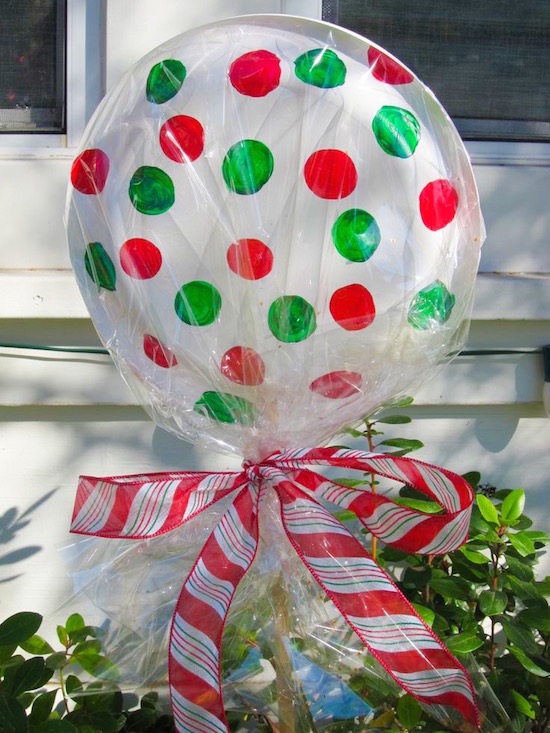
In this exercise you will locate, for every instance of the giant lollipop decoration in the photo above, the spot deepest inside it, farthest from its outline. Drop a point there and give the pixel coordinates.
(276, 230)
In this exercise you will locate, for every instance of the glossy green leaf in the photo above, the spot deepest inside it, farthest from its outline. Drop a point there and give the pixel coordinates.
(14, 661)
(512, 506)
(106, 722)
(419, 505)
(524, 590)
(536, 536)
(150, 700)
(519, 569)
(97, 665)
(492, 602)
(521, 637)
(354, 433)
(73, 686)
(474, 556)
(523, 522)
(43, 706)
(535, 618)
(523, 705)
(454, 587)
(522, 543)
(426, 614)
(12, 715)
(30, 675)
(408, 711)
(6, 652)
(102, 700)
(529, 664)
(140, 720)
(59, 726)
(75, 622)
(351, 483)
(56, 660)
(404, 401)
(473, 478)
(62, 635)
(345, 515)
(36, 645)
(416, 577)
(26, 698)
(394, 420)
(89, 646)
(487, 509)
(19, 627)
(463, 643)
(403, 443)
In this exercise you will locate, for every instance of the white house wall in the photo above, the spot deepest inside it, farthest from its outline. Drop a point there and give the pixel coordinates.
(62, 415)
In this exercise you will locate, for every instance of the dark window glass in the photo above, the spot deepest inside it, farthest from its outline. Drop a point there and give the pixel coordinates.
(32, 66)
(487, 61)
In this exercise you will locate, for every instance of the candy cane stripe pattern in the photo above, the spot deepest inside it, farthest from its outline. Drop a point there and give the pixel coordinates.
(202, 609)
(137, 507)
(359, 588)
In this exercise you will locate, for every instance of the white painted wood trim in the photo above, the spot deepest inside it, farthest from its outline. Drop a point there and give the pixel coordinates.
(39, 378)
(54, 294)
(489, 152)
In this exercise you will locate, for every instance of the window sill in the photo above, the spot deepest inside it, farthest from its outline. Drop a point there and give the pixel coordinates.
(483, 152)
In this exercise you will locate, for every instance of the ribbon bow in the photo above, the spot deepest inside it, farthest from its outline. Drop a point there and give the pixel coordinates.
(138, 507)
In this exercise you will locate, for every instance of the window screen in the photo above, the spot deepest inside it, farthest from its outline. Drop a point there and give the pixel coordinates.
(487, 61)
(32, 66)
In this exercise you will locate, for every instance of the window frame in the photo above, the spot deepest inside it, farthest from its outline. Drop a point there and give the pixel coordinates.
(84, 59)
(481, 151)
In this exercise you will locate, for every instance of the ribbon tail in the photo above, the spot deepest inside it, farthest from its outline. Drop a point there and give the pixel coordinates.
(200, 615)
(374, 607)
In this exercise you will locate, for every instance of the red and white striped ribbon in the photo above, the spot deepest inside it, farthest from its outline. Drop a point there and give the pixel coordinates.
(135, 507)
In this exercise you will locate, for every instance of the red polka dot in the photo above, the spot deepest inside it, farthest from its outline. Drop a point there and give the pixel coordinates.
(182, 138)
(140, 258)
(256, 73)
(352, 307)
(337, 385)
(386, 69)
(250, 258)
(158, 352)
(89, 171)
(330, 174)
(438, 204)
(243, 366)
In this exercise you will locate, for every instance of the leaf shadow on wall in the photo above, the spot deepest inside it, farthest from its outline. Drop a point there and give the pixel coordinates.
(12, 522)
(495, 441)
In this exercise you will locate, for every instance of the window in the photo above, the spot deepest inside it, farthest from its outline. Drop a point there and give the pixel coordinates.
(51, 74)
(32, 66)
(487, 62)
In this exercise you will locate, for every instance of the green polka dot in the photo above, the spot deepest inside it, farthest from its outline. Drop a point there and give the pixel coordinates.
(397, 131)
(247, 166)
(321, 67)
(99, 266)
(165, 80)
(198, 303)
(291, 318)
(356, 235)
(431, 307)
(151, 190)
(226, 408)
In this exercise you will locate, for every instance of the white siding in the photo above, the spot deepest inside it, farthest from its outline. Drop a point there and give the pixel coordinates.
(63, 415)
